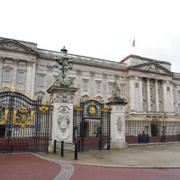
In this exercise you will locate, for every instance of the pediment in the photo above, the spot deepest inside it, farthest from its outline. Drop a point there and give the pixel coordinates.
(152, 67)
(14, 45)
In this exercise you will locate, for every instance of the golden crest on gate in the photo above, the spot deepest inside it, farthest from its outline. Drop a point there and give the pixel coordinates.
(23, 117)
(3, 116)
(92, 110)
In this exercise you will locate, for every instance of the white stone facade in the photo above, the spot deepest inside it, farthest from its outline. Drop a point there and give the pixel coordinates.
(148, 85)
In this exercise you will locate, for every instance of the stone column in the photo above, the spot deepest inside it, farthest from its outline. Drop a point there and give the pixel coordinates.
(117, 118)
(104, 85)
(172, 97)
(164, 88)
(140, 95)
(14, 81)
(62, 120)
(132, 95)
(118, 126)
(148, 96)
(92, 85)
(156, 95)
(29, 78)
(33, 78)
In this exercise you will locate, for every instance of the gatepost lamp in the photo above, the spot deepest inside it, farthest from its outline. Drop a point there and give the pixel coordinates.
(64, 63)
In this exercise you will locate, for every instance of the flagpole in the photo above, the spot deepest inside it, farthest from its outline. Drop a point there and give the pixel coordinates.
(134, 46)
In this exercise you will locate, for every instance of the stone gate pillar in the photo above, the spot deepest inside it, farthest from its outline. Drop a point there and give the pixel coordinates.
(118, 125)
(62, 119)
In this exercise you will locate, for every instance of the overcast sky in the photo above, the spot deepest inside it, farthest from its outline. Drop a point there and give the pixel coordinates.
(97, 28)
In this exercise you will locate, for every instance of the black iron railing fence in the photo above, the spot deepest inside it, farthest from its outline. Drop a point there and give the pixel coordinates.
(62, 146)
(152, 131)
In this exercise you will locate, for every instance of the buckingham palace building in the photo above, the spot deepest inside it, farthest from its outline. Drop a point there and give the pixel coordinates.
(150, 88)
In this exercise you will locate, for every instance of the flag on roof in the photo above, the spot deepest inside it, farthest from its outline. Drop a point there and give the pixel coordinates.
(134, 43)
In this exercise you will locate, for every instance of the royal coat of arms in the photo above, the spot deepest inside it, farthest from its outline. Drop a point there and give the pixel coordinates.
(91, 109)
(23, 117)
(3, 116)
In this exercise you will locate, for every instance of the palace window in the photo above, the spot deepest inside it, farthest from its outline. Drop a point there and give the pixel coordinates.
(41, 80)
(159, 93)
(151, 91)
(110, 88)
(122, 88)
(136, 85)
(7, 75)
(152, 107)
(20, 77)
(143, 92)
(160, 107)
(98, 86)
(144, 106)
(85, 85)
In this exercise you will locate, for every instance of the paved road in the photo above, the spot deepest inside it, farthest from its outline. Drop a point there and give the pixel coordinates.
(26, 167)
(103, 173)
(31, 167)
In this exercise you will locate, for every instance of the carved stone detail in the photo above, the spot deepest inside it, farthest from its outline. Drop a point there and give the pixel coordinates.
(104, 75)
(119, 124)
(63, 97)
(78, 71)
(63, 122)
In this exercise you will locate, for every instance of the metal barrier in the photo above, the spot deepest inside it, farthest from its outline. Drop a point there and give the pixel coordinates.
(62, 149)
(143, 138)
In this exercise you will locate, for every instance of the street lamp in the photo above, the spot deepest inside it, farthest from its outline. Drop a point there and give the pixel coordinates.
(63, 63)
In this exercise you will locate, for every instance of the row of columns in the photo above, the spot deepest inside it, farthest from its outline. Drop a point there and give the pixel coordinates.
(136, 95)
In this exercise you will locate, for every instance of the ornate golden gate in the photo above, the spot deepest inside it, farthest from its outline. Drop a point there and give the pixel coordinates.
(24, 122)
(91, 126)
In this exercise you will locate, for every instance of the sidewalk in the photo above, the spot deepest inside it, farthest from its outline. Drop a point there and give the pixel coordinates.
(140, 156)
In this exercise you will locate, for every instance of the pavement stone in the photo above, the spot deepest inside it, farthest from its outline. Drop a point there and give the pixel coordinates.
(67, 169)
(162, 156)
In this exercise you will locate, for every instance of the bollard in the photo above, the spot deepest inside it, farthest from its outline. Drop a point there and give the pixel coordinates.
(163, 138)
(54, 146)
(62, 148)
(100, 144)
(76, 152)
(79, 145)
(108, 146)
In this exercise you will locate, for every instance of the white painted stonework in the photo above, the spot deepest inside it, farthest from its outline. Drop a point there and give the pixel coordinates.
(62, 123)
(118, 127)
(62, 119)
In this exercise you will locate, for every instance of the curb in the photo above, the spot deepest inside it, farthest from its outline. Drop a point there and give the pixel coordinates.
(112, 165)
(119, 166)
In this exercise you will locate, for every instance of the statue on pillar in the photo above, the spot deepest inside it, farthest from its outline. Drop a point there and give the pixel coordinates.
(115, 90)
(116, 98)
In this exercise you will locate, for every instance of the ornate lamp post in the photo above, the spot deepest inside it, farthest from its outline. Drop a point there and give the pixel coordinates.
(63, 63)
